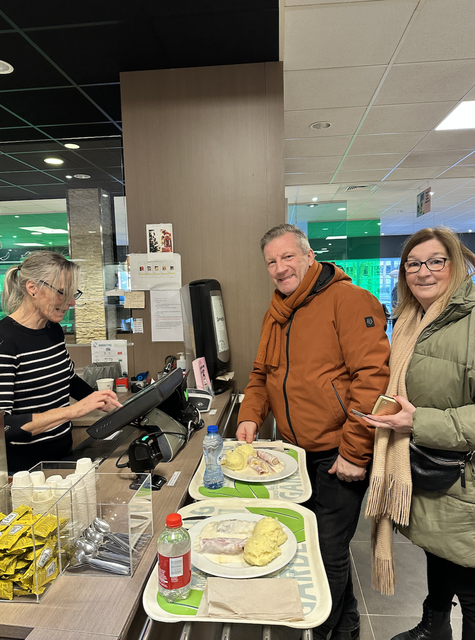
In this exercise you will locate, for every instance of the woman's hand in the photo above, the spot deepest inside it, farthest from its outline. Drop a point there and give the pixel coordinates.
(104, 400)
(400, 422)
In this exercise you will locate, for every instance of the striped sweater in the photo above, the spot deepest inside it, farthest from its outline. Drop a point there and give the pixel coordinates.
(36, 375)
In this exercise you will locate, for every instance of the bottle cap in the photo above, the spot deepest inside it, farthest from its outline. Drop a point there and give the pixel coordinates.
(212, 428)
(174, 520)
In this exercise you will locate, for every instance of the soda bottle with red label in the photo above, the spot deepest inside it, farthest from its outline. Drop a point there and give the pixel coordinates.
(174, 560)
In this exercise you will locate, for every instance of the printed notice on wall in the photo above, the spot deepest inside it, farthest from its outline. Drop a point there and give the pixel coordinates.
(134, 299)
(137, 325)
(163, 273)
(159, 239)
(167, 323)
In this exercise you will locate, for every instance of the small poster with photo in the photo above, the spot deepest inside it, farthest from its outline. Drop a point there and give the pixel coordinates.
(159, 240)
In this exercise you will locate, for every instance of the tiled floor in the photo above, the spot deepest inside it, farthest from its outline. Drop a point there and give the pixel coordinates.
(382, 617)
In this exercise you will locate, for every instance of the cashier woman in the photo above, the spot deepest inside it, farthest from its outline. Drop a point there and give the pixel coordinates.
(36, 373)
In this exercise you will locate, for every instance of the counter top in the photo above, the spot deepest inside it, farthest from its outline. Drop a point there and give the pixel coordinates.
(88, 606)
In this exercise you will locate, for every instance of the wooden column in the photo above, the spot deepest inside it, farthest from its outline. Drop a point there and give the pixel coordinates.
(203, 149)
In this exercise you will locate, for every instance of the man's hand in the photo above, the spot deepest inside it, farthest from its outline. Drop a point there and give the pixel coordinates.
(246, 431)
(347, 471)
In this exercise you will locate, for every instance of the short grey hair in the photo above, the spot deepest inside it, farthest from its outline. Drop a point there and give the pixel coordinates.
(280, 230)
(48, 266)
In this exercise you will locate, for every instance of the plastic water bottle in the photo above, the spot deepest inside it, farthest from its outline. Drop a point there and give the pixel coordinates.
(213, 477)
(174, 560)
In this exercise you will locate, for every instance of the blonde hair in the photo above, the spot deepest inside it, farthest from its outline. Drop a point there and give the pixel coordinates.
(48, 266)
(462, 265)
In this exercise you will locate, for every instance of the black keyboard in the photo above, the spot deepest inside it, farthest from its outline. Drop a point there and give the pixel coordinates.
(99, 450)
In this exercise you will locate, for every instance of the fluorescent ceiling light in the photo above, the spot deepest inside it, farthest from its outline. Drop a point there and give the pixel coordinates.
(342, 209)
(44, 230)
(28, 244)
(462, 117)
(314, 199)
(54, 161)
(71, 145)
(336, 237)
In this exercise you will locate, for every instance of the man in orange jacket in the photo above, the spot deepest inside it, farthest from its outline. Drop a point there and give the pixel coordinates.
(323, 351)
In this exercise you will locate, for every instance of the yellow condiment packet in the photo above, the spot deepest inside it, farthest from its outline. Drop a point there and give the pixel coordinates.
(45, 526)
(6, 521)
(11, 535)
(6, 589)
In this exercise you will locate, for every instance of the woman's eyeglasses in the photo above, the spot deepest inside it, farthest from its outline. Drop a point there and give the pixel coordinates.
(76, 295)
(434, 264)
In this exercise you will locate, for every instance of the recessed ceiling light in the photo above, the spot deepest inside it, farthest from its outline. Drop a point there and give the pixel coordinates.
(105, 195)
(320, 125)
(71, 145)
(81, 176)
(336, 237)
(17, 216)
(5, 67)
(462, 117)
(54, 161)
(36, 233)
(432, 193)
(366, 232)
(325, 229)
(69, 177)
(14, 236)
(311, 205)
(314, 199)
(382, 234)
(470, 231)
(342, 209)
(379, 224)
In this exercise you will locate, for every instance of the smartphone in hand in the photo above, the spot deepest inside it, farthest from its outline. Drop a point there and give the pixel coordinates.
(359, 414)
(386, 406)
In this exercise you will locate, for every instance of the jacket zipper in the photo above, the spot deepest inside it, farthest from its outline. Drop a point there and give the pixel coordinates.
(339, 400)
(287, 410)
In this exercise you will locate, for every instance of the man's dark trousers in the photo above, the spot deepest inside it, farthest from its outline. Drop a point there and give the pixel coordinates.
(337, 506)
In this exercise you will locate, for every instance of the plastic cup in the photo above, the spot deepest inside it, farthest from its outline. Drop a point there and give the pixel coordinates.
(83, 465)
(105, 383)
(22, 479)
(42, 493)
(52, 480)
(38, 478)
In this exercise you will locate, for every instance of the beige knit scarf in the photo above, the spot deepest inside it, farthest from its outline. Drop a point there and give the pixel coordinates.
(390, 489)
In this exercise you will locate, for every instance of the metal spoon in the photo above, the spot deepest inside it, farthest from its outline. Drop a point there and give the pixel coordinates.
(103, 527)
(91, 550)
(100, 540)
(113, 567)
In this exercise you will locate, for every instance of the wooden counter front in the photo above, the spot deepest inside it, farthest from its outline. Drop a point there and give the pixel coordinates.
(80, 605)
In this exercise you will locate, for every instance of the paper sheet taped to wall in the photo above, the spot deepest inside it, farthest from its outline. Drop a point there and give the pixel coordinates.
(164, 273)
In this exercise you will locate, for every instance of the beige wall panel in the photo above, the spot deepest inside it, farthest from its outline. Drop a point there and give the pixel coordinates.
(203, 149)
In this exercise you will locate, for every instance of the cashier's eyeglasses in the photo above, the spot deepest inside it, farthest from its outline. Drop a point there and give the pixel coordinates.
(434, 264)
(76, 295)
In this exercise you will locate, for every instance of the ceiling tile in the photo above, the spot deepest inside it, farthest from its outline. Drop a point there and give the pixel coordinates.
(376, 161)
(470, 159)
(308, 178)
(360, 177)
(367, 33)
(330, 146)
(432, 158)
(385, 143)
(419, 173)
(446, 140)
(405, 117)
(442, 31)
(460, 171)
(324, 88)
(310, 165)
(427, 82)
(343, 122)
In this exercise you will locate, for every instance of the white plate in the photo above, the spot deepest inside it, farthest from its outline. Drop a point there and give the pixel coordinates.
(290, 467)
(230, 570)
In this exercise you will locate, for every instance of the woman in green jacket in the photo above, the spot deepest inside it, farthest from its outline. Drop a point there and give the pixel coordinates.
(433, 379)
